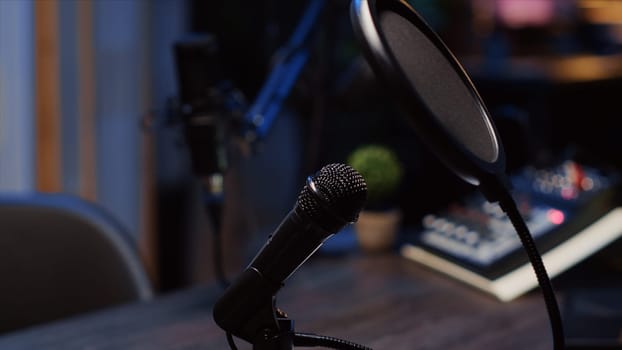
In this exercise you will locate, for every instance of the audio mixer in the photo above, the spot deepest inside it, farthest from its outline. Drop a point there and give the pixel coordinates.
(570, 209)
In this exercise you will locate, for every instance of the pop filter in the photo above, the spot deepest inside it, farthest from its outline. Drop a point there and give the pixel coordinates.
(446, 111)
(429, 83)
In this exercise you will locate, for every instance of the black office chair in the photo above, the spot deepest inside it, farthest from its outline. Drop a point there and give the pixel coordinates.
(61, 256)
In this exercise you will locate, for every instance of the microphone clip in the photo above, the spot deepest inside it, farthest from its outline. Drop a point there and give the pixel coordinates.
(258, 321)
(280, 339)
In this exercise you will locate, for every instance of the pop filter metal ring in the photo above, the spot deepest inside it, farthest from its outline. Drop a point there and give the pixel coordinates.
(457, 156)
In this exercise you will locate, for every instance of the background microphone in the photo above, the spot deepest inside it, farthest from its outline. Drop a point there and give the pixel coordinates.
(331, 199)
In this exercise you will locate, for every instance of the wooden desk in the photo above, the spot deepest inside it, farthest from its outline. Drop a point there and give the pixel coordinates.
(384, 302)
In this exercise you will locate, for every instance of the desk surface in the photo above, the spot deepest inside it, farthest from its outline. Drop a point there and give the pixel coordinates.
(384, 302)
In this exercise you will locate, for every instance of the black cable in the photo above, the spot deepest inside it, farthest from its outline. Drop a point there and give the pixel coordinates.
(231, 342)
(218, 265)
(509, 207)
(311, 340)
(213, 205)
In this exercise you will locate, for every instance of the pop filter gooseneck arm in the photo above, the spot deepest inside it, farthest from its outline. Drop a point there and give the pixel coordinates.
(446, 112)
(508, 205)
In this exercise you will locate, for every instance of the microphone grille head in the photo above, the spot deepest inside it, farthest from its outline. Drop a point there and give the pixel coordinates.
(336, 190)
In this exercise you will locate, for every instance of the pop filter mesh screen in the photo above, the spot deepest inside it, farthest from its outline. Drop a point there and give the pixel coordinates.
(439, 85)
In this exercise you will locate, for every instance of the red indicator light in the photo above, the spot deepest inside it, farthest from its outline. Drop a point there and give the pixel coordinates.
(569, 193)
(555, 216)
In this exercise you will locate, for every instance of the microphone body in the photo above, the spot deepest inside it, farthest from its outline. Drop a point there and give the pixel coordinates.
(329, 201)
(291, 244)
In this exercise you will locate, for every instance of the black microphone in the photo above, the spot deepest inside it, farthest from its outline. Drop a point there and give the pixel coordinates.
(331, 199)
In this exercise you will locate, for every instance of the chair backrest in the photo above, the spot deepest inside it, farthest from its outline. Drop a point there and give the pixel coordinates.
(61, 256)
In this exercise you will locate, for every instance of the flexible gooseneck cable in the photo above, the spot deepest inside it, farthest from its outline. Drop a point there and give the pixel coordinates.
(508, 205)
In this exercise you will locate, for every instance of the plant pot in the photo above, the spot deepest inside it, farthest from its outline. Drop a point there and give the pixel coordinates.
(376, 231)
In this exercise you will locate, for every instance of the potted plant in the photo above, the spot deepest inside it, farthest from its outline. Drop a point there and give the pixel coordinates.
(378, 222)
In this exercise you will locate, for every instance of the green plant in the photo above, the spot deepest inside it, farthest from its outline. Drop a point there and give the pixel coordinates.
(381, 170)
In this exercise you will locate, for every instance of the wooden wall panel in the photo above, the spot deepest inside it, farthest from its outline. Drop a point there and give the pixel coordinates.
(87, 155)
(47, 91)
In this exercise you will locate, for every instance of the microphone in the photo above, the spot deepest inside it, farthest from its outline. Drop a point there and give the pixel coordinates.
(330, 199)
